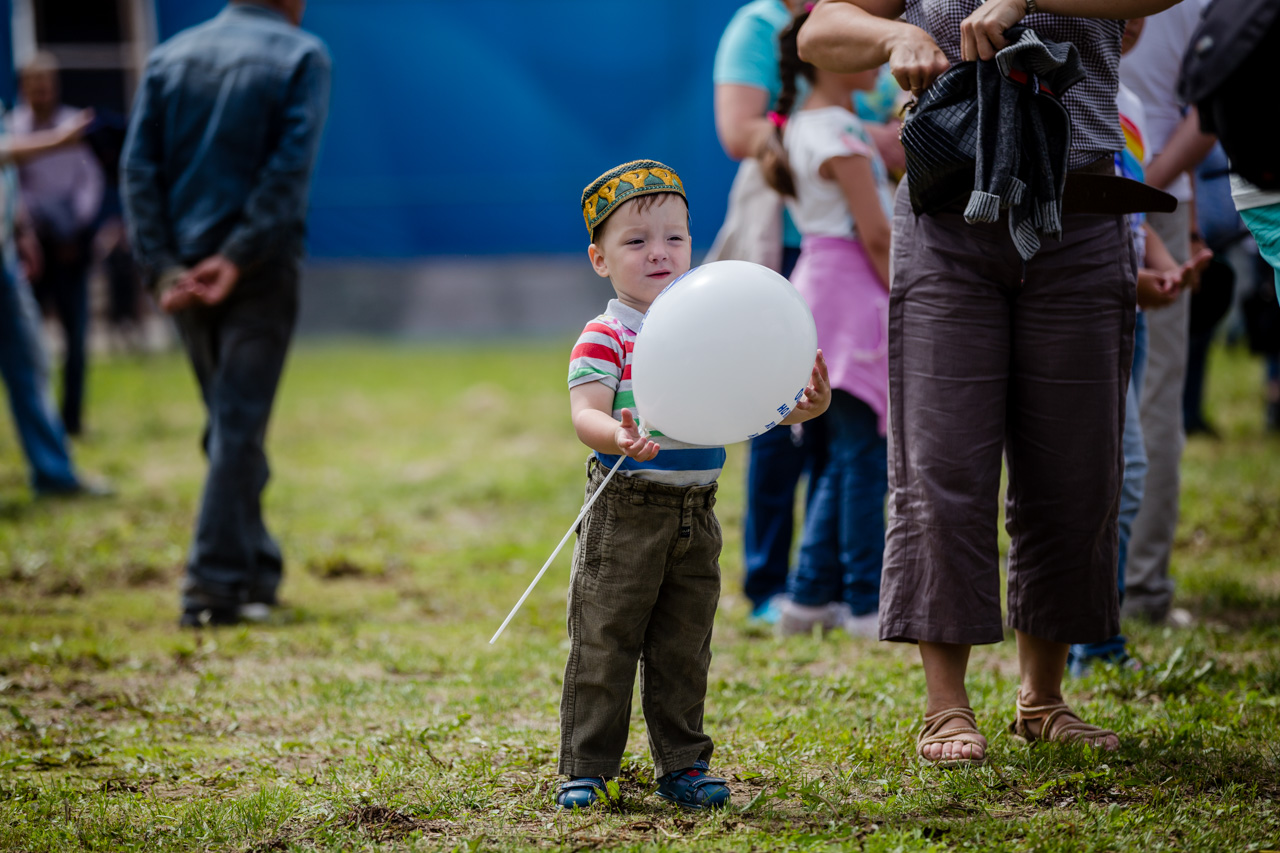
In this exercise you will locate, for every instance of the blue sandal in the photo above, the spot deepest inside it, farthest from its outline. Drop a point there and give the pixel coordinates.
(581, 793)
(691, 788)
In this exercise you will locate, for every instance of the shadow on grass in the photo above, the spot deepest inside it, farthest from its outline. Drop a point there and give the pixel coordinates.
(14, 509)
(1232, 602)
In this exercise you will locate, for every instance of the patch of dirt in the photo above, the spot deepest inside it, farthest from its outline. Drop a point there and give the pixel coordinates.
(67, 585)
(146, 575)
(126, 786)
(387, 824)
(338, 566)
(266, 846)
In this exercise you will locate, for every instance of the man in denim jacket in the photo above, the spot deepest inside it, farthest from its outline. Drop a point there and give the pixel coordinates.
(215, 176)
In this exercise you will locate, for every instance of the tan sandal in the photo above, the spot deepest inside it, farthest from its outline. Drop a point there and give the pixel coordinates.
(1054, 729)
(931, 733)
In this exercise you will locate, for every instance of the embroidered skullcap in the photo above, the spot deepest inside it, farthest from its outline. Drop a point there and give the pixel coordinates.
(630, 180)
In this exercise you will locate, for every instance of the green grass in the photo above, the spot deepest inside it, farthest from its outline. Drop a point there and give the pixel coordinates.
(416, 492)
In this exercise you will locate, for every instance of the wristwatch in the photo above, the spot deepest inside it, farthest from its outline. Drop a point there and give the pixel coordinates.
(1031, 8)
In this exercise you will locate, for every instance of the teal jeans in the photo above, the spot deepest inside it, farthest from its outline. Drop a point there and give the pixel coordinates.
(1264, 222)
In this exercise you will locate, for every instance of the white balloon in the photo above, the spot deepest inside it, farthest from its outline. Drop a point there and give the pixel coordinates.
(723, 355)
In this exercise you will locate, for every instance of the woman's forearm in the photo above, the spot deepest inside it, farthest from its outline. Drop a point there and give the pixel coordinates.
(843, 36)
(856, 35)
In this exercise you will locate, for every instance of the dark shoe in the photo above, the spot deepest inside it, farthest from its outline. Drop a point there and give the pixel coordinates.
(581, 792)
(209, 617)
(1204, 429)
(83, 488)
(691, 788)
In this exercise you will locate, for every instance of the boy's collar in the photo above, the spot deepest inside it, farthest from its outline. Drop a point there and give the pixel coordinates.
(630, 317)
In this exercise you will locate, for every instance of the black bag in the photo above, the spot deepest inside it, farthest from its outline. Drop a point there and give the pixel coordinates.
(1227, 73)
(1262, 313)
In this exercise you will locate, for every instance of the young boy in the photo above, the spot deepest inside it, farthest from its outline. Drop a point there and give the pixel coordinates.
(646, 573)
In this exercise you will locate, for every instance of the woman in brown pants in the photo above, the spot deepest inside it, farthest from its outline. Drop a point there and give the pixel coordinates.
(991, 356)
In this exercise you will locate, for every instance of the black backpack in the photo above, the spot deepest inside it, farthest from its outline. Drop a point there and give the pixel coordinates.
(1262, 312)
(1228, 73)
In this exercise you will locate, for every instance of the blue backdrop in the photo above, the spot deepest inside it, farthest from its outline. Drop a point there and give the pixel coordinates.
(471, 128)
(6, 57)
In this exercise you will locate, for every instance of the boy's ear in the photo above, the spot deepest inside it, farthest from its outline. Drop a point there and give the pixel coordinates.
(598, 263)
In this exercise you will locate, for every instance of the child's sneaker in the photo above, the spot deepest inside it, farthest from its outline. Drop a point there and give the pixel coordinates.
(581, 792)
(768, 611)
(866, 625)
(796, 619)
(691, 788)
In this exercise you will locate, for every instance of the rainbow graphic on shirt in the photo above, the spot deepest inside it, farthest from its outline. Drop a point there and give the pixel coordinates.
(1129, 160)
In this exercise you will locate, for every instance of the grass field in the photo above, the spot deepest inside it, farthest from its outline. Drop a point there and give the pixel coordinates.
(416, 491)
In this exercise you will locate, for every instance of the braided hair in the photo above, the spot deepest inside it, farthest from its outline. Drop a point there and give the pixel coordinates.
(773, 157)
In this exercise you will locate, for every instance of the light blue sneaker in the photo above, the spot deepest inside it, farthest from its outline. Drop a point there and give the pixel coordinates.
(769, 611)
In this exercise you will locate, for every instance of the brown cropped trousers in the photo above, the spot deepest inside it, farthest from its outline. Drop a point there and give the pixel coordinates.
(989, 358)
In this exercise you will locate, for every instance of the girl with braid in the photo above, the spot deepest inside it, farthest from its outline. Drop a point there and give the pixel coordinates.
(837, 190)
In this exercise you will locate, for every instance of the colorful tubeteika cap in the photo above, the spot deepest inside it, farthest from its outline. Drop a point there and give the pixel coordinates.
(639, 177)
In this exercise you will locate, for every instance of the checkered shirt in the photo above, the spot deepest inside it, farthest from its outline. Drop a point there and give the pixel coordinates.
(1091, 103)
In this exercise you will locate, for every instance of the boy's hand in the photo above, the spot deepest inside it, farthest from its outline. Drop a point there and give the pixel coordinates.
(817, 394)
(632, 441)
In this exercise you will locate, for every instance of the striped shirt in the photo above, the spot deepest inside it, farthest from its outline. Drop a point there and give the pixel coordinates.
(1091, 103)
(603, 354)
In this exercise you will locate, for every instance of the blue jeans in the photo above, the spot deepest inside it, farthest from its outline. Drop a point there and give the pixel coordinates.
(777, 460)
(1135, 474)
(237, 350)
(842, 549)
(22, 365)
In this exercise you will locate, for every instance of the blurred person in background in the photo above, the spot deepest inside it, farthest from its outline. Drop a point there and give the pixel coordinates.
(126, 305)
(62, 191)
(1150, 71)
(22, 359)
(1220, 229)
(215, 177)
(1160, 283)
(1220, 76)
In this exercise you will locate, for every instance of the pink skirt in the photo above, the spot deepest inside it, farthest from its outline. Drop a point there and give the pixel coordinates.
(851, 309)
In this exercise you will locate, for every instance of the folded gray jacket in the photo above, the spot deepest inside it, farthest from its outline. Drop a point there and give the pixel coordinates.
(997, 130)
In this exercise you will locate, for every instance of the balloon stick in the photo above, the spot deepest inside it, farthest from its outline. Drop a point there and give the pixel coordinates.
(567, 534)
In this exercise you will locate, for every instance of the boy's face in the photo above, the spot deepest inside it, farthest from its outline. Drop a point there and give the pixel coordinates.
(643, 248)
